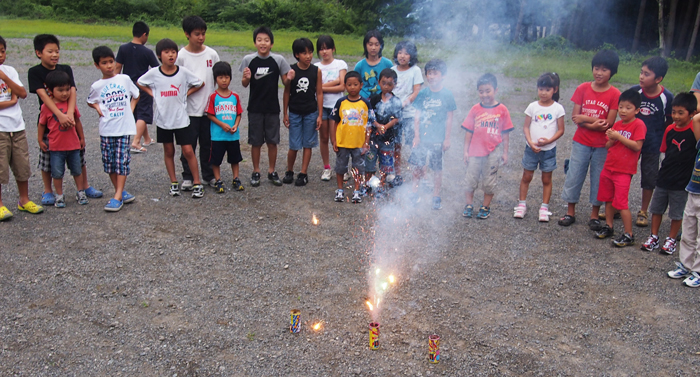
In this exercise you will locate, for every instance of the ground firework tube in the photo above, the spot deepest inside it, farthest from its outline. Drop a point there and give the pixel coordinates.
(434, 348)
(374, 336)
(295, 324)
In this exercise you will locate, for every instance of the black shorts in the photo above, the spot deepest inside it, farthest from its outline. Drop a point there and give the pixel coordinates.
(231, 148)
(144, 108)
(263, 128)
(183, 136)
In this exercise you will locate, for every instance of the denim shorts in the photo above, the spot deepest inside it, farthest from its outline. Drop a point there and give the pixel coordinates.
(59, 159)
(302, 131)
(384, 154)
(547, 160)
(326, 113)
(583, 157)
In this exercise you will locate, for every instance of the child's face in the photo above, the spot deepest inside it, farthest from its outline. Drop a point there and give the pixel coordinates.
(353, 86)
(545, 94)
(627, 111)
(305, 57)
(196, 37)
(263, 44)
(106, 66)
(601, 74)
(2, 54)
(49, 55)
(647, 78)
(681, 116)
(387, 84)
(403, 57)
(434, 78)
(223, 81)
(326, 53)
(61, 93)
(373, 47)
(487, 94)
(168, 57)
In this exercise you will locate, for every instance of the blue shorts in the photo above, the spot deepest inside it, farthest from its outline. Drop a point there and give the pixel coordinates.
(326, 113)
(547, 160)
(430, 154)
(59, 159)
(116, 154)
(384, 154)
(302, 131)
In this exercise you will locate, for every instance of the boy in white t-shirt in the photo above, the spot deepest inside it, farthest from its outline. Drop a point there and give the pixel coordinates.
(114, 97)
(199, 59)
(170, 85)
(14, 149)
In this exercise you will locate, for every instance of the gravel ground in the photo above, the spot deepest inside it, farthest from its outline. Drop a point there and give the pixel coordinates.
(178, 286)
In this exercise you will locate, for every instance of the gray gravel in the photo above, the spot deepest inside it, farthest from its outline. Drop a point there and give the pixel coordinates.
(178, 286)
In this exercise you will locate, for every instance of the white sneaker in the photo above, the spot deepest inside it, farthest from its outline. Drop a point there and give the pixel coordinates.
(679, 272)
(186, 185)
(693, 280)
(212, 183)
(519, 211)
(544, 214)
(339, 195)
(326, 176)
(347, 176)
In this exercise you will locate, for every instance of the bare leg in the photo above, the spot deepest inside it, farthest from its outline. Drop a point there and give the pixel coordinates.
(306, 159)
(234, 170)
(487, 200)
(546, 187)
(217, 172)
(469, 195)
(169, 157)
(255, 155)
(188, 152)
(272, 156)
(675, 227)
(609, 213)
(656, 223)
(23, 188)
(118, 181)
(80, 181)
(571, 210)
(291, 159)
(525, 183)
(58, 184)
(596, 209)
(646, 198)
(46, 178)
(324, 139)
(626, 219)
(83, 177)
(438, 183)
(339, 180)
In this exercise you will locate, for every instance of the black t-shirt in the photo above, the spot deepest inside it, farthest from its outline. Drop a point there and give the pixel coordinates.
(385, 112)
(302, 91)
(37, 77)
(136, 59)
(264, 76)
(679, 162)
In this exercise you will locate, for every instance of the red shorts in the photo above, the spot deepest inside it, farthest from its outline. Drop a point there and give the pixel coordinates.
(614, 187)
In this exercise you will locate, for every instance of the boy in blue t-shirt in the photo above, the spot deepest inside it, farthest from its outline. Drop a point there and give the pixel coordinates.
(224, 112)
(655, 111)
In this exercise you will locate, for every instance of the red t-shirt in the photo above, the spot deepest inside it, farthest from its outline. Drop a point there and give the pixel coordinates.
(597, 105)
(60, 138)
(488, 125)
(620, 158)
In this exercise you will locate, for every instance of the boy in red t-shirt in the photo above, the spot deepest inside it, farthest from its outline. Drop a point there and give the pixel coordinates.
(625, 140)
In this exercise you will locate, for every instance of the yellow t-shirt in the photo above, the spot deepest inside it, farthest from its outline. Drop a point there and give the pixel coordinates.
(353, 119)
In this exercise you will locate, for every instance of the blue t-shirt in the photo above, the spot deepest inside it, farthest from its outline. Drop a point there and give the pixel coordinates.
(226, 109)
(136, 59)
(433, 107)
(654, 112)
(370, 75)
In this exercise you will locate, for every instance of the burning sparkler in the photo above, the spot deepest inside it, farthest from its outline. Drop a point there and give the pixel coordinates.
(314, 219)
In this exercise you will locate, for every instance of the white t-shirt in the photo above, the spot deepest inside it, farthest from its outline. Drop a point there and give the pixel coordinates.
(544, 121)
(200, 64)
(404, 86)
(10, 118)
(170, 96)
(114, 96)
(331, 72)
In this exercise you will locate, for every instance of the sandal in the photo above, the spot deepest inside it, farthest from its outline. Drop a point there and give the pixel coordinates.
(594, 225)
(567, 220)
(642, 219)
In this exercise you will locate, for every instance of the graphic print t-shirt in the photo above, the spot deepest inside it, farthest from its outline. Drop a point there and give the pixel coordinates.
(37, 78)
(60, 138)
(433, 108)
(226, 109)
(264, 75)
(544, 122)
(488, 125)
(385, 111)
(200, 64)
(680, 148)
(170, 96)
(620, 158)
(114, 96)
(331, 72)
(353, 119)
(597, 105)
(302, 90)
(370, 75)
(10, 118)
(655, 112)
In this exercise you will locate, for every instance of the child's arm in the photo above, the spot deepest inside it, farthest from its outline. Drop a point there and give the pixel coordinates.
(332, 130)
(13, 101)
(285, 103)
(97, 107)
(528, 138)
(145, 88)
(467, 141)
(585, 121)
(319, 99)
(70, 113)
(245, 80)
(16, 89)
(412, 97)
(557, 135)
(41, 130)
(63, 119)
(236, 124)
(194, 89)
(134, 101)
(221, 124)
(416, 128)
(79, 130)
(613, 136)
(696, 126)
(336, 86)
(448, 131)
(506, 143)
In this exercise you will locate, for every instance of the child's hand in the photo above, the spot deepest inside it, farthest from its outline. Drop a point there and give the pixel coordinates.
(65, 121)
(291, 74)
(504, 158)
(381, 129)
(319, 122)
(233, 129)
(43, 145)
(465, 158)
(600, 124)
(578, 118)
(365, 148)
(227, 128)
(335, 147)
(82, 144)
(445, 145)
(246, 73)
(541, 142)
(612, 134)
(535, 148)
(285, 118)
(406, 102)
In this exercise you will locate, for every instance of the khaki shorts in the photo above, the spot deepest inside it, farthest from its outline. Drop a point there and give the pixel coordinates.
(14, 154)
(485, 169)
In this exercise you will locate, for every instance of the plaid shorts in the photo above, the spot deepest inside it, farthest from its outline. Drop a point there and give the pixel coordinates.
(45, 157)
(115, 154)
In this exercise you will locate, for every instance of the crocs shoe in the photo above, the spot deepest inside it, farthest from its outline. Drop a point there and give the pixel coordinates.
(48, 198)
(127, 198)
(5, 213)
(92, 192)
(114, 205)
(484, 213)
(30, 207)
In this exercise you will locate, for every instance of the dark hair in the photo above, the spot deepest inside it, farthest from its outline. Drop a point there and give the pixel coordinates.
(301, 45)
(100, 52)
(56, 79)
(192, 23)
(354, 74)
(410, 48)
(140, 28)
(436, 65)
(658, 65)
(373, 34)
(388, 73)
(41, 40)
(686, 100)
(487, 79)
(549, 80)
(632, 96)
(221, 68)
(2, 42)
(263, 30)
(607, 59)
(165, 44)
(324, 41)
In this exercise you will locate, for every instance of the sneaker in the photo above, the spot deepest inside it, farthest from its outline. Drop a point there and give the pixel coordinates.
(484, 213)
(669, 246)
(174, 189)
(127, 198)
(212, 183)
(679, 272)
(346, 176)
(288, 177)
(113, 205)
(356, 197)
(236, 185)
(187, 185)
(198, 191)
(302, 180)
(339, 195)
(219, 186)
(81, 197)
(326, 175)
(519, 211)
(437, 203)
(29, 207)
(642, 219)
(604, 232)
(625, 239)
(255, 179)
(693, 280)
(274, 178)
(651, 243)
(5, 213)
(544, 215)
(468, 211)
(92, 192)
(60, 202)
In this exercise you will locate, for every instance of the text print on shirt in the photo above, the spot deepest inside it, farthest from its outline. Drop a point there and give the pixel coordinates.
(262, 72)
(489, 121)
(171, 93)
(114, 97)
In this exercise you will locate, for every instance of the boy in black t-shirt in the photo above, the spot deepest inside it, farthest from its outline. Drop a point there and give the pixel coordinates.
(303, 108)
(261, 71)
(47, 49)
